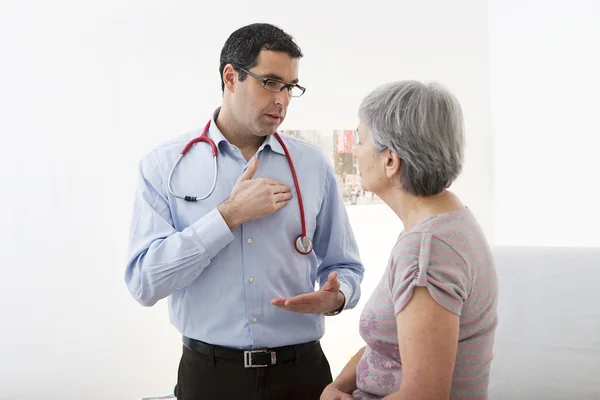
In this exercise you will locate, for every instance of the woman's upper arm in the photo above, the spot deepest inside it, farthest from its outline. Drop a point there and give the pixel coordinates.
(428, 341)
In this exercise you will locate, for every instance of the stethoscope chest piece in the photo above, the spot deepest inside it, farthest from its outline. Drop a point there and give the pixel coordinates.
(303, 244)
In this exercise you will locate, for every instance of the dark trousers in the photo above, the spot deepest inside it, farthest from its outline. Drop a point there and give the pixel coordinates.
(203, 377)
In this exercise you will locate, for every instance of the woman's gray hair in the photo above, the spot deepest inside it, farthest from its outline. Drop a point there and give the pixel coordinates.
(423, 125)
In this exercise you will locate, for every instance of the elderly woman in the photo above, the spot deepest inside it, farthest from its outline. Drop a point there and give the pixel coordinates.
(429, 325)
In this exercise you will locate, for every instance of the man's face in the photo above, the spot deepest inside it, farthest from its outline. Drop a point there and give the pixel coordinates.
(257, 109)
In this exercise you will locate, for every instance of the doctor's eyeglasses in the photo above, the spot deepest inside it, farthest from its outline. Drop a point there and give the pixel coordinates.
(276, 86)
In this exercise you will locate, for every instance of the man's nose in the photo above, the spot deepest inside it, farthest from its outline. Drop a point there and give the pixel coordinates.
(283, 98)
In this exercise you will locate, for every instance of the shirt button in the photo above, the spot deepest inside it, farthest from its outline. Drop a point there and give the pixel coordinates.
(251, 280)
(249, 241)
(254, 319)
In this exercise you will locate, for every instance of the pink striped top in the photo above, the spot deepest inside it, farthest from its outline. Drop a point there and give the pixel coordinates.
(448, 254)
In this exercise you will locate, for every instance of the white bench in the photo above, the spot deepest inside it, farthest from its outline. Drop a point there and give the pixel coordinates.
(548, 338)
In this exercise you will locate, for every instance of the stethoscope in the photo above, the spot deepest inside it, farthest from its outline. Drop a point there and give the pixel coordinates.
(303, 243)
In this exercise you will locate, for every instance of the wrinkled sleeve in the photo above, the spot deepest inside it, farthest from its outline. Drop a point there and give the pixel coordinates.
(422, 260)
(160, 258)
(335, 245)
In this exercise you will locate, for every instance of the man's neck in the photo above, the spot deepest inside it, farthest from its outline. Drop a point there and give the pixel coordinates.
(243, 140)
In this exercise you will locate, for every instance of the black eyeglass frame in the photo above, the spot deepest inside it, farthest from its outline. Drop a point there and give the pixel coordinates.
(276, 89)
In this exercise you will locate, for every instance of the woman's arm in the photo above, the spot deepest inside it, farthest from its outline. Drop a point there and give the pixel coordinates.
(346, 380)
(345, 383)
(428, 342)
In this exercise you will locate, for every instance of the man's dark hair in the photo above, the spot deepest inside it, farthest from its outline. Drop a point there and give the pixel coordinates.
(243, 46)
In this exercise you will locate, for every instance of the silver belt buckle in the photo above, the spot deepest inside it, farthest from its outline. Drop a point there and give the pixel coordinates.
(248, 358)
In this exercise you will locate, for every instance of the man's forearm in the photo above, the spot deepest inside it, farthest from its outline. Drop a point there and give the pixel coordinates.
(230, 214)
(163, 260)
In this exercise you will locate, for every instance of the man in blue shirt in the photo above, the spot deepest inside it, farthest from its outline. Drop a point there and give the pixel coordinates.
(228, 263)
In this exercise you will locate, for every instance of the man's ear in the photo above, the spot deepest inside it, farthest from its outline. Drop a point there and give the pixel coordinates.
(230, 77)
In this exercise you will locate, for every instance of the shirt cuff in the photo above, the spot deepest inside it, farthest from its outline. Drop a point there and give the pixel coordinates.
(213, 232)
(347, 291)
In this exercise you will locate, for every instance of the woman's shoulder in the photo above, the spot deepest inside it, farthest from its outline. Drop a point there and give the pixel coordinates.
(454, 230)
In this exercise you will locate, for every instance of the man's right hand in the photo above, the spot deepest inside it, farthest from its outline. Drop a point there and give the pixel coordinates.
(253, 198)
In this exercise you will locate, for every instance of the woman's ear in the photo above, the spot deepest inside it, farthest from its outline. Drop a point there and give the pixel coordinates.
(392, 163)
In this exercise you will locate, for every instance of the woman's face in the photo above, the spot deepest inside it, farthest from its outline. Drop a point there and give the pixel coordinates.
(371, 163)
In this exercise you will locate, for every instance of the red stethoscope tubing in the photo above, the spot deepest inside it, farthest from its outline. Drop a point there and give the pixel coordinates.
(204, 138)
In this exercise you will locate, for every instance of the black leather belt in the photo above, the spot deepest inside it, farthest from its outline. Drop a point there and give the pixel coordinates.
(251, 358)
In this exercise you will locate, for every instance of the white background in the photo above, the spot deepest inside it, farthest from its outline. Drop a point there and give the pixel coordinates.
(87, 88)
(545, 86)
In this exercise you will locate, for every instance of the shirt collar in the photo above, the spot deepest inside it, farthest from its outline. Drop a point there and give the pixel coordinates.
(215, 134)
(274, 144)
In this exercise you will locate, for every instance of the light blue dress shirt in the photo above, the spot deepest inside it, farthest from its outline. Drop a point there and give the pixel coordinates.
(220, 283)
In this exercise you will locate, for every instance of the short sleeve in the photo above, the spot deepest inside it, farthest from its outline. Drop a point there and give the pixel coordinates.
(422, 260)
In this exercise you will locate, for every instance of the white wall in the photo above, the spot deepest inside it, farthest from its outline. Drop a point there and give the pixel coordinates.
(87, 87)
(545, 87)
